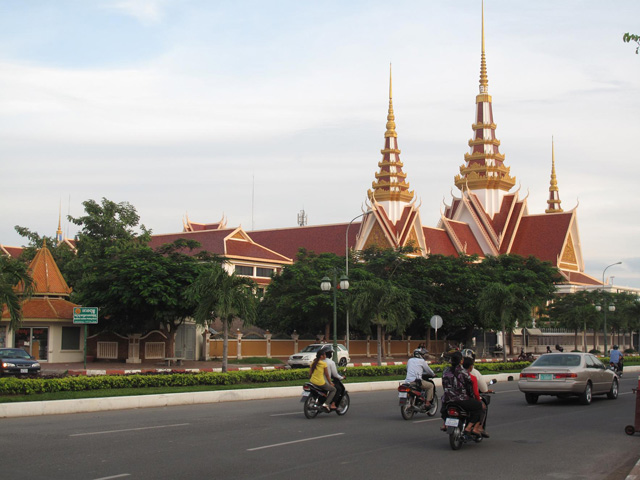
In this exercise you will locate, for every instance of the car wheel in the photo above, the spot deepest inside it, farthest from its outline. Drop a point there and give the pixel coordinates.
(531, 398)
(613, 393)
(342, 362)
(585, 398)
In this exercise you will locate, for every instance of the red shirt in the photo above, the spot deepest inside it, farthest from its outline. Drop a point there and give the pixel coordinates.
(474, 382)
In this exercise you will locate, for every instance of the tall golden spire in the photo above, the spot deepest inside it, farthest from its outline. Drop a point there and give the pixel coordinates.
(484, 167)
(59, 231)
(390, 184)
(391, 124)
(554, 202)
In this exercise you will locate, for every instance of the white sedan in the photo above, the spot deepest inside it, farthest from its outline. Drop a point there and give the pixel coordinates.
(304, 358)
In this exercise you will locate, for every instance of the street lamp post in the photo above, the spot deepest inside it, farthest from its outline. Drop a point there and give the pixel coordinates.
(327, 285)
(611, 307)
(346, 264)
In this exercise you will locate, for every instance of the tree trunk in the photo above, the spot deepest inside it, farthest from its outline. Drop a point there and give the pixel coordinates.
(379, 334)
(576, 339)
(225, 345)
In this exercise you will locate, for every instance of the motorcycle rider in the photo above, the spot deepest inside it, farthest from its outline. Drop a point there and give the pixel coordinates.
(416, 367)
(615, 359)
(333, 373)
(458, 389)
(319, 376)
(468, 363)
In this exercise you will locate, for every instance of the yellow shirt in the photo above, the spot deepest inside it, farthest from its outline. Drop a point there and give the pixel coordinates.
(318, 377)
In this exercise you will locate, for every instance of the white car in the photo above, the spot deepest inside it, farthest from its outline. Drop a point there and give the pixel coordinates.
(306, 356)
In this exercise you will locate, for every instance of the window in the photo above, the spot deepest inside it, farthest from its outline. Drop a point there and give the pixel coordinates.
(243, 270)
(70, 338)
(264, 272)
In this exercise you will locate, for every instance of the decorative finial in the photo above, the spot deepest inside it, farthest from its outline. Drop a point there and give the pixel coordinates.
(59, 231)
(391, 124)
(484, 81)
(554, 195)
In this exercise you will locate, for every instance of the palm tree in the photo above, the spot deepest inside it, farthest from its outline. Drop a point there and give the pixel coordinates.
(16, 285)
(224, 296)
(380, 303)
(503, 304)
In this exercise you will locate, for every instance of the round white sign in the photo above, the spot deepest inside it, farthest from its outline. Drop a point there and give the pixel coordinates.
(436, 321)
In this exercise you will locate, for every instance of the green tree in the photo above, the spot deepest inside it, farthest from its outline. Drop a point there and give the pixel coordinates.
(16, 286)
(502, 305)
(379, 303)
(294, 300)
(630, 37)
(575, 311)
(220, 295)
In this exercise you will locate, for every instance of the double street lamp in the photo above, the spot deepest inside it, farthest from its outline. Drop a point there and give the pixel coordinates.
(327, 285)
(611, 307)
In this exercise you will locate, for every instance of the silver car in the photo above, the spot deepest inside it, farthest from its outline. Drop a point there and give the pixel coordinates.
(574, 374)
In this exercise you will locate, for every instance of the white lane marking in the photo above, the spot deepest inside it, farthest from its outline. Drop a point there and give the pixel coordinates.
(427, 420)
(114, 476)
(129, 430)
(283, 414)
(294, 441)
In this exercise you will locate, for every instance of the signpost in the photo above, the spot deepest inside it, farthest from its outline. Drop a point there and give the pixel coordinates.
(85, 316)
(436, 323)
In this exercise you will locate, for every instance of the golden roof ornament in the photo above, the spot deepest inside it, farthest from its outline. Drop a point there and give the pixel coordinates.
(553, 204)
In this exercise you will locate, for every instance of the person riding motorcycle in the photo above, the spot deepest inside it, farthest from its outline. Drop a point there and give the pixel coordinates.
(418, 366)
(458, 389)
(615, 359)
(333, 373)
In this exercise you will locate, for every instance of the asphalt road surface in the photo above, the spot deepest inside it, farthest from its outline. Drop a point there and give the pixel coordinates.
(271, 439)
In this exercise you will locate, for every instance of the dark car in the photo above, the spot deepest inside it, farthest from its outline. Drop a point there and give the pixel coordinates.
(15, 361)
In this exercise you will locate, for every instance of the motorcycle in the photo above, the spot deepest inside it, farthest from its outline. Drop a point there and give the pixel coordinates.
(314, 397)
(412, 399)
(526, 357)
(456, 421)
(615, 368)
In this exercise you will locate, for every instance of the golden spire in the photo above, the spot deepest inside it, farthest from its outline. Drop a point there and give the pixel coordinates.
(554, 195)
(59, 231)
(484, 81)
(390, 183)
(391, 124)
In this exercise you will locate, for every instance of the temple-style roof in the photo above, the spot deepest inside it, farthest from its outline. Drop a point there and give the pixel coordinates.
(46, 275)
(13, 252)
(390, 184)
(484, 165)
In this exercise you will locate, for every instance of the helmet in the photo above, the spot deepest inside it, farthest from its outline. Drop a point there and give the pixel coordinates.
(467, 352)
(615, 347)
(420, 352)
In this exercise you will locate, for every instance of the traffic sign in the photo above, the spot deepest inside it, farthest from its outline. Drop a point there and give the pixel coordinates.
(85, 315)
(436, 322)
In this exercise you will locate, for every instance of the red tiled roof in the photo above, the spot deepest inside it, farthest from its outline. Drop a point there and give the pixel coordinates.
(14, 252)
(318, 239)
(579, 278)
(511, 226)
(438, 242)
(45, 308)
(500, 218)
(542, 236)
(466, 237)
(243, 248)
(46, 275)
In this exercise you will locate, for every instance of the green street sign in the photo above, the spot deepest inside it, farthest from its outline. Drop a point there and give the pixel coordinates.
(85, 315)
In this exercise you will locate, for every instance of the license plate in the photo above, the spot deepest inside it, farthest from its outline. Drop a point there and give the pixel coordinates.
(402, 394)
(305, 393)
(546, 376)
(24, 370)
(451, 422)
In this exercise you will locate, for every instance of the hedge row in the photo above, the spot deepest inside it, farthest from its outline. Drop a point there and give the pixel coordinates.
(30, 386)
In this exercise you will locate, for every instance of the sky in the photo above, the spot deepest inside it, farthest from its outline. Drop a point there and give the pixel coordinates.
(256, 110)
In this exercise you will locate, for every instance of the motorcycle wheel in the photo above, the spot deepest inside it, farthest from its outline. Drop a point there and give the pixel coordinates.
(435, 403)
(455, 438)
(407, 409)
(310, 407)
(345, 402)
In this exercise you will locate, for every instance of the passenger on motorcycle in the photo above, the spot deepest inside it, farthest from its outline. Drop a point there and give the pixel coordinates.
(319, 376)
(333, 373)
(468, 365)
(416, 367)
(458, 389)
(615, 358)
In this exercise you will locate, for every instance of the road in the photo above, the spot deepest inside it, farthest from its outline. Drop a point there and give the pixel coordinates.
(271, 439)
